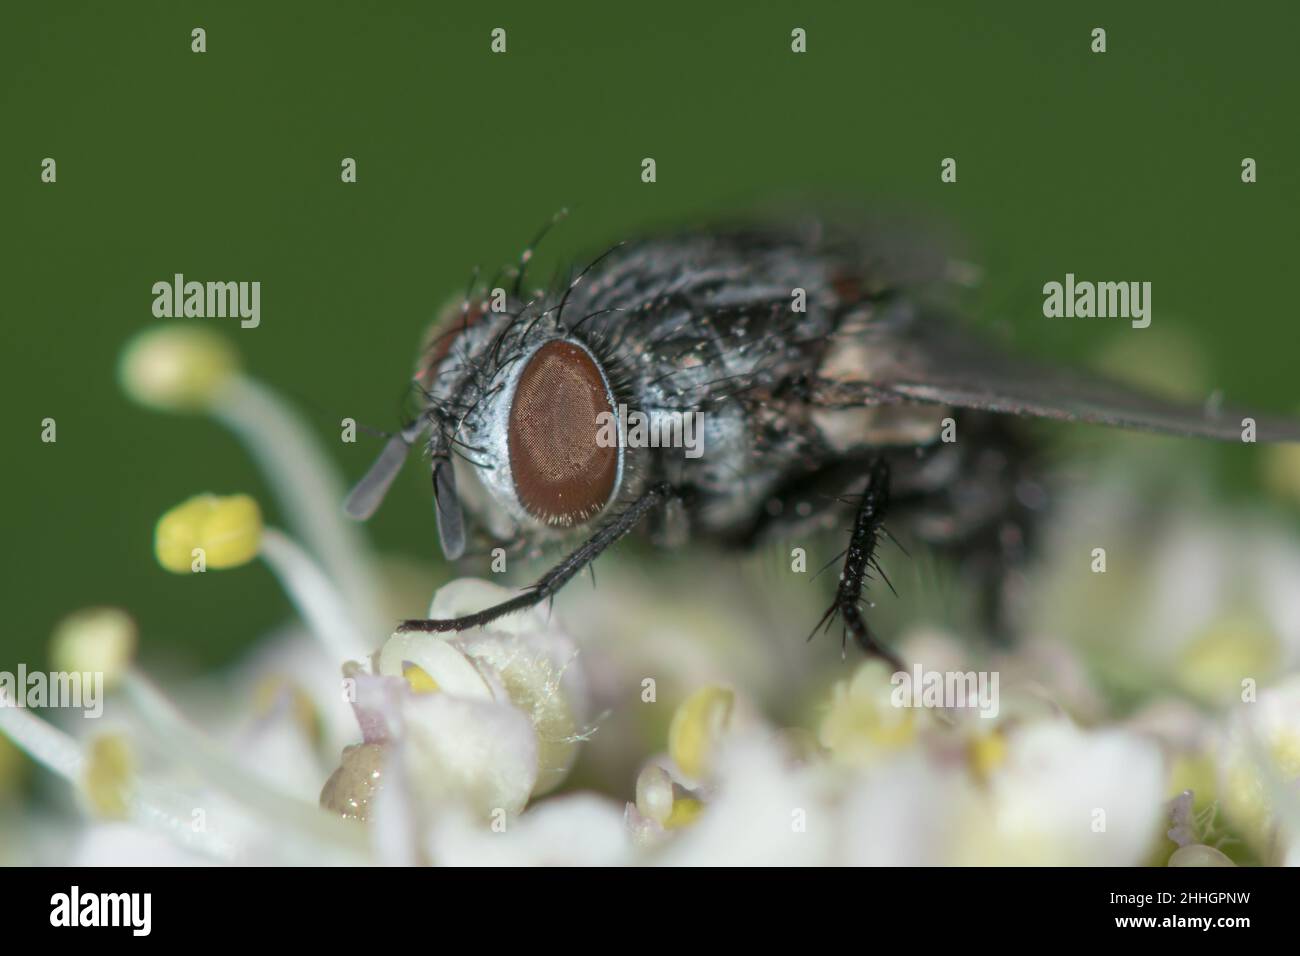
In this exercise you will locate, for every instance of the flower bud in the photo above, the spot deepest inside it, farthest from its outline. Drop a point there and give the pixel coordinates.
(654, 794)
(350, 789)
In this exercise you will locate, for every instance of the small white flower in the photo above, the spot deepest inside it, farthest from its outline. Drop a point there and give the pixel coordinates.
(580, 829)
(1063, 795)
(1258, 760)
(766, 811)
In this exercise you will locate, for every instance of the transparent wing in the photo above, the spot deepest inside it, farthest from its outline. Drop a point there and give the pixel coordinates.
(936, 361)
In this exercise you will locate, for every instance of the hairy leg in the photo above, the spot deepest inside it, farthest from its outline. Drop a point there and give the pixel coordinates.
(558, 576)
(859, 560)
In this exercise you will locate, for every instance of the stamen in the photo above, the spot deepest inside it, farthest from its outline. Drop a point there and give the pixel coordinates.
(43, 742)
(654, 794)
(60, 753)
(214, 532)
(308, 487)
(108, 778)
(698, 725)
(95, 640)
(175, 369)
(193, 370)
(107, 772)
(314, 596)
(685, 810)
(187, 745)
(154, 807)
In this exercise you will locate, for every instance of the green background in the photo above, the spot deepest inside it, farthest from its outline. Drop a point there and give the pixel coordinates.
(225, 166)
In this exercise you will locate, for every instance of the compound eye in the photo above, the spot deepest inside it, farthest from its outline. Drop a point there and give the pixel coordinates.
(563, 473)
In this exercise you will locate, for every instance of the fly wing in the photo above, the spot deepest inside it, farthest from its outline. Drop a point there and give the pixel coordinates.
(936, 361)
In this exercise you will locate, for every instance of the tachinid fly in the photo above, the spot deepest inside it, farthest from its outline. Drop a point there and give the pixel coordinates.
(822, 374)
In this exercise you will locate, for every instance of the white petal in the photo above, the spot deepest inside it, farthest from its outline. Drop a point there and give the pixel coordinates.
(577, 830)
(438, 657)
(765, 812)
(1068, 796)
(459, 751)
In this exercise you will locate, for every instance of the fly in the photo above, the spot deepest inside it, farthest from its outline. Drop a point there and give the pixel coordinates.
(816, 368)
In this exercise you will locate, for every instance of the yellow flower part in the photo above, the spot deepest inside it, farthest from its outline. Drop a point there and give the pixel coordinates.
(419, 679)
(1194, 772)
(684, 812)
(95, 640)
(1253, 780)
(986, 753)
(1213, 665)
(227, 529)
(534, 682)
(176, 368)
(1281, 469)
(697, 726)
(11, 766)
(106, 778)
(432, 662)
(862, 722)
(273, 689)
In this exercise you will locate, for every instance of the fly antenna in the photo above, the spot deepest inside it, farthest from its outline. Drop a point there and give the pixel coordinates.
(365, 498)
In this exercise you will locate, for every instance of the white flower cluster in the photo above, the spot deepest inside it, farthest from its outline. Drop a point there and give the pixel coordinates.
(642, 733)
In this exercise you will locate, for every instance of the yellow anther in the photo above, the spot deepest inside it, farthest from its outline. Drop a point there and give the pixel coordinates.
(227, 530)
(1211, 666)
(685, 810)
(107, 776)
(1249, 782)
(431, 662)
(274, 689)
(1281, 467)
(176, 368)
(986, 753)
(419, 679)
(11, 766)
(863, 723)
(697, 725)
(95, 640)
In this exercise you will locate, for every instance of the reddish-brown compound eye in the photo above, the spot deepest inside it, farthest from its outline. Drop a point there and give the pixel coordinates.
(562, 474)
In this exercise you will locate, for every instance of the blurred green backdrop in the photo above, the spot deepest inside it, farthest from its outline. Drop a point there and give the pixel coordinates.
(225, 166)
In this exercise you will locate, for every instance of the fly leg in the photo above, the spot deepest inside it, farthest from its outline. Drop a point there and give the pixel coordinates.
(560, 575)
(859, 560)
